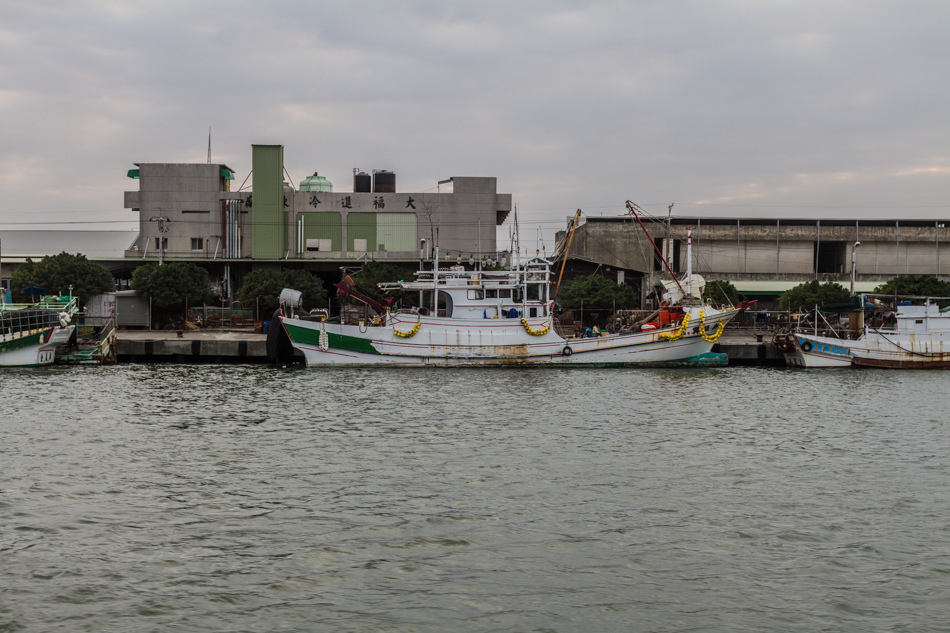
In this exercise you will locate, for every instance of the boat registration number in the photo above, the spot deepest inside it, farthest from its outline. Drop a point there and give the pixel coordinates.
(45, 356)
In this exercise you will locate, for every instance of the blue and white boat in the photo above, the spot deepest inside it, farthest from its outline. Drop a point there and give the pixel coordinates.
(901, 332)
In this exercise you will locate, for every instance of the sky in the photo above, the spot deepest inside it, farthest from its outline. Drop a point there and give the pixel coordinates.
(722, 108)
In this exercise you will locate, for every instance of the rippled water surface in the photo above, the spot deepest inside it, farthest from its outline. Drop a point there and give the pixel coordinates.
(243, 498)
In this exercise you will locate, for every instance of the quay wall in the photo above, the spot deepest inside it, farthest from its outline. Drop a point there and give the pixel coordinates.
(164, 347)
(191, 350)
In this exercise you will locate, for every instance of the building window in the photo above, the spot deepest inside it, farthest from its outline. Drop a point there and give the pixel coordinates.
(161, 243)
(319, 244)
(197, 243)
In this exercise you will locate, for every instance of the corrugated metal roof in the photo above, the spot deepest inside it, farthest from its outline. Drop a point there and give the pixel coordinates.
(18, 245)
(778, 287)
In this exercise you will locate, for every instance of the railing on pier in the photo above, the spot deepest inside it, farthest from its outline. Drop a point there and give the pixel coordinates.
(212, 317)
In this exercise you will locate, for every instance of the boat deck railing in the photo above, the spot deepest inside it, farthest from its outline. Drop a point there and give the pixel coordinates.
(16, 318)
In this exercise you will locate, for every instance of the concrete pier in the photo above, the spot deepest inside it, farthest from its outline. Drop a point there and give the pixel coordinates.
(744, 349)
(239, 346)
(202, 346)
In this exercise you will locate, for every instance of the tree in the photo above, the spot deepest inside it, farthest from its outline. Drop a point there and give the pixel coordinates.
(597, 293)
(170, 285)
(374, 273)
(262, 288)
(22, 278)
(915, 285)
(721, 292)
(56, 273)
(809, 294)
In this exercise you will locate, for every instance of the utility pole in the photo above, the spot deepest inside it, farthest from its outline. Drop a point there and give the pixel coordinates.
(854, 259)
(162, 230)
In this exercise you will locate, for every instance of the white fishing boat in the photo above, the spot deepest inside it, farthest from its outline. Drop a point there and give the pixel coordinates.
(30, 332)
(899, 332)
(505, 317)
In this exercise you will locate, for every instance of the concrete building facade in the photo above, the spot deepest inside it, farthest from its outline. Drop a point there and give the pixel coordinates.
(764, 257)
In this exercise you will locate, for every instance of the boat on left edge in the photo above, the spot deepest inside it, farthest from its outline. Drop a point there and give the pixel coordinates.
(31, 332)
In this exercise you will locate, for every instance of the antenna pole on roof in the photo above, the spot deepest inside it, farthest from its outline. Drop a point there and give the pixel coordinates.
(209, 145)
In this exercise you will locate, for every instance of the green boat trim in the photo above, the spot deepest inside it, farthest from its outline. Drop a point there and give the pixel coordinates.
(36, 338)
(337, 341)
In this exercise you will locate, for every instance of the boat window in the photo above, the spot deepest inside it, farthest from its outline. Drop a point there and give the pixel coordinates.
(533, 312)
(476, 294)
(504, 294)
(445, 304)
(491, 294)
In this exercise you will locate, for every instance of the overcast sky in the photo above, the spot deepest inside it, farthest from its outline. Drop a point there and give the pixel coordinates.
(748, 108)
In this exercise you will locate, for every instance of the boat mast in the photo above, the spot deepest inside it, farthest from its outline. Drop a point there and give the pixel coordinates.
(567, 249)
(632, 208)
(521, 279)
(689, 260)
(435, 283)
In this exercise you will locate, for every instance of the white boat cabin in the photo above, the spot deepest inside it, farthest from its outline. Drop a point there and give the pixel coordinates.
(922, 318)
(455, 293)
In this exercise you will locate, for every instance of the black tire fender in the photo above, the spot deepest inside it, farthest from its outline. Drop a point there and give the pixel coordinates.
(806, 346)
(567, 351)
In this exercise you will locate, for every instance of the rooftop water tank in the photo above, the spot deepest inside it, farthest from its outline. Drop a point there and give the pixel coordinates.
(362, 182)
(384, 181)
(316, 183)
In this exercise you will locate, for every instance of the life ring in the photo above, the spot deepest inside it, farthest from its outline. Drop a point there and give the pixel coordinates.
(567, 351)
(806, 346)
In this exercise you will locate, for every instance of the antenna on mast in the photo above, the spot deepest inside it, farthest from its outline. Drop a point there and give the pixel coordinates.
(209, 145)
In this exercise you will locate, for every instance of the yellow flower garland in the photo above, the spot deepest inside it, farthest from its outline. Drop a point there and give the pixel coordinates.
(541, 332)
(702, 328)
(678, 334)
(408, 334)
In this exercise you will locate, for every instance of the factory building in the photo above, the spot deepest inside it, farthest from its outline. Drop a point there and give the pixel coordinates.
(194, 212)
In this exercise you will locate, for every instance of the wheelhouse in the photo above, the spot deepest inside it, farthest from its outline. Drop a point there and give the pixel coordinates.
(520, 292)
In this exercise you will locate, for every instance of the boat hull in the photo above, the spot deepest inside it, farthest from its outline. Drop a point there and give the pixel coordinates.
(417, 341)
(815, 352)
(32, 348)
(873, 349)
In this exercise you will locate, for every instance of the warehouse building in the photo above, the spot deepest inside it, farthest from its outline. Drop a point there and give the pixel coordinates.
(761, 257)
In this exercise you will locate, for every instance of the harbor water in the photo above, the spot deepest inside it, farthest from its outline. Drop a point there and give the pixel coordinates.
(247, 498)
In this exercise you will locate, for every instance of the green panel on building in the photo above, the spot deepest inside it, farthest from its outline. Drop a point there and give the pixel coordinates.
(268, 218)
(323, 226)
(396, 231)
(361, 232)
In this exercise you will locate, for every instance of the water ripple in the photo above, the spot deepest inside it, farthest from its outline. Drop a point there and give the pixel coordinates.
(233, 498)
